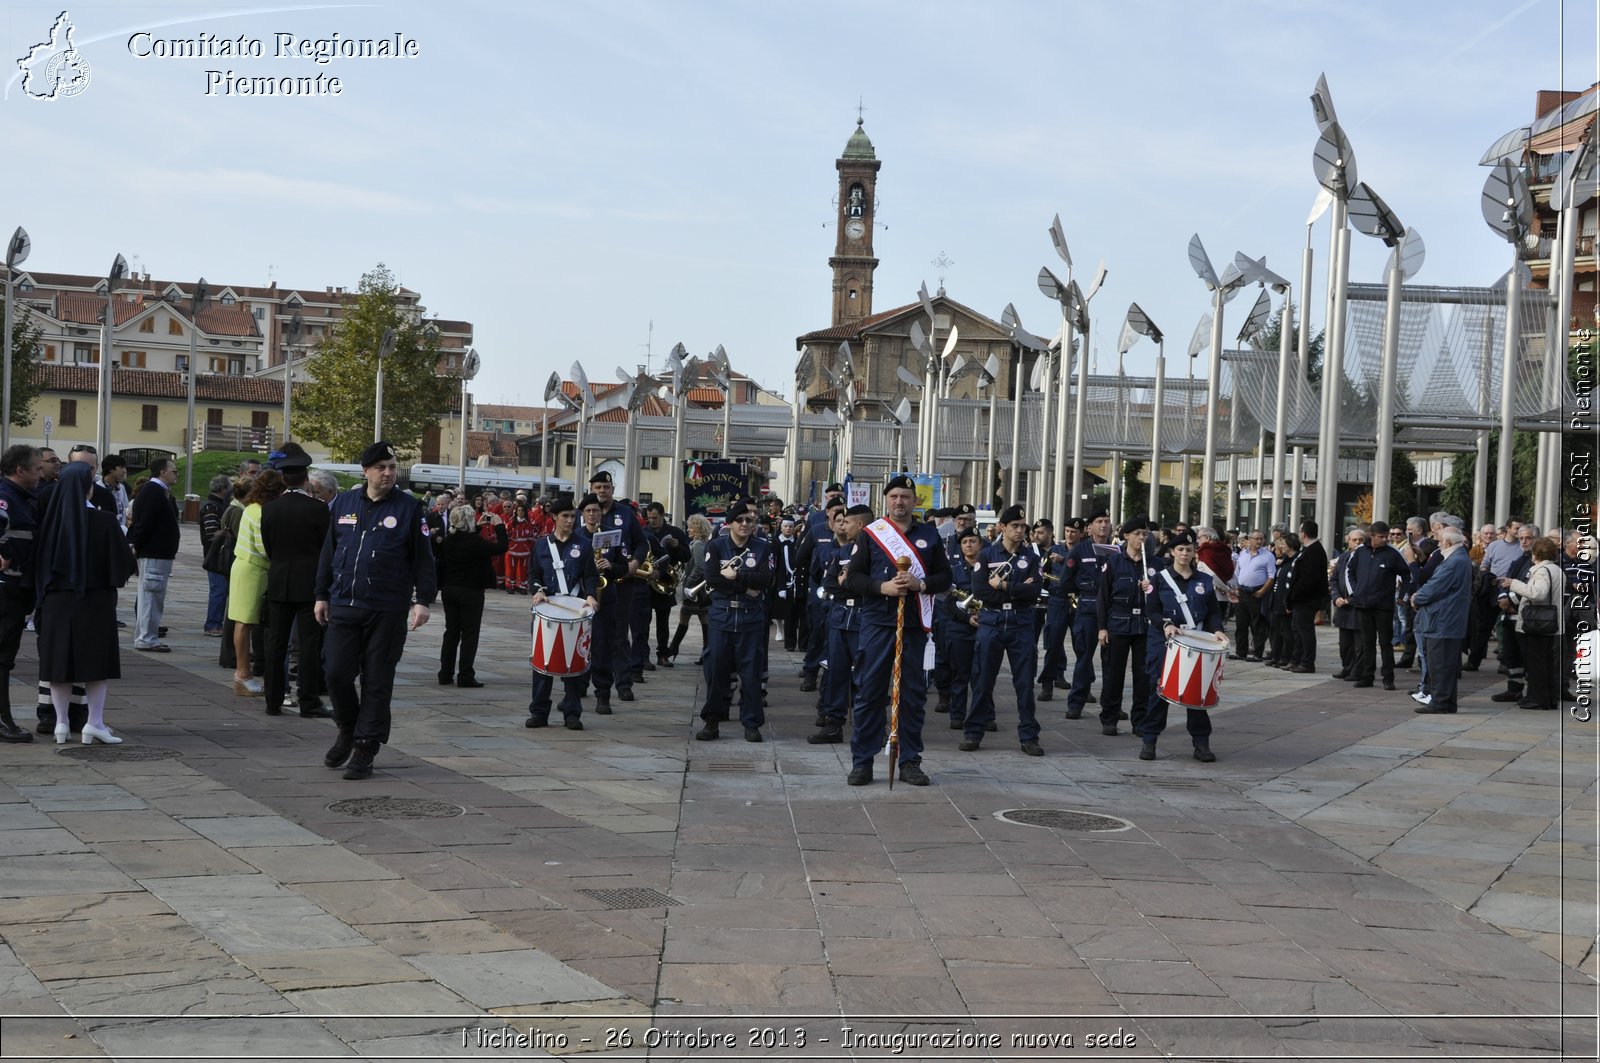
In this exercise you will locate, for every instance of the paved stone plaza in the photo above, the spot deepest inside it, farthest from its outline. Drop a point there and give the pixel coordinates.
(1349, 880)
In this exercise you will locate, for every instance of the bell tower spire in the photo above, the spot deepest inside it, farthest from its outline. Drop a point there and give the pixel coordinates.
(852, 261)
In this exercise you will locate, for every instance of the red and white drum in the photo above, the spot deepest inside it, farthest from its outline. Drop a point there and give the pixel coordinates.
(561, 631)
(1192, 668)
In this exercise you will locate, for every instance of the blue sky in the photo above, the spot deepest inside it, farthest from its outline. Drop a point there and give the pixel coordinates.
(562, 174)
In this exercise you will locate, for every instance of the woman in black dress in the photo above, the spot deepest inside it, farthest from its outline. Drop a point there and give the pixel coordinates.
(465, 559)
(83, 558)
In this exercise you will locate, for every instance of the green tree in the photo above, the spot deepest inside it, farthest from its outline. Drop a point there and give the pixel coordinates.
(336, 406)
(27, 376)
(1457, 494)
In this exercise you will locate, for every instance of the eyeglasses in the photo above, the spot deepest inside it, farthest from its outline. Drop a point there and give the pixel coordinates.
(52, 460)
(744, 520)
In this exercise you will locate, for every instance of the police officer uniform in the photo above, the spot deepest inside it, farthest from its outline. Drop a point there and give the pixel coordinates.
(376, 564)
(18, 524)
(561, 566)
(869, 568)
(1040, 552)
(610, 663)
(818, 534)
(1083, 574)
(943, 672)
(671, 547)
(1005, 628)
(961, 633)
(1124, 617)
(737, 623)
(1190, 604)
(1058, 616)
(843, 624)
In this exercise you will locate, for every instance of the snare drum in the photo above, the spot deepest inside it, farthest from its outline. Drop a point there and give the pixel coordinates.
(1192, 668)
(561, 631)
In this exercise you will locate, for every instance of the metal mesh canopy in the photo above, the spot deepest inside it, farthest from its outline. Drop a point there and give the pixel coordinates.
(1451, 349)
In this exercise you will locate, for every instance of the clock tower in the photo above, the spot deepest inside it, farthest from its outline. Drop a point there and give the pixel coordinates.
(852, 262)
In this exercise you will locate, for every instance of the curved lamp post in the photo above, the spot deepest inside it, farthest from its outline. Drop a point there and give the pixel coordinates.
(16, 253)
(102, 431)
(1136, 324)
(1508, 208)
(469, 369)
(385, 349)
(198, 300)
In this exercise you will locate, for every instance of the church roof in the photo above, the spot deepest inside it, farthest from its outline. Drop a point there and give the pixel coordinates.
(858, 146)
(856, 329)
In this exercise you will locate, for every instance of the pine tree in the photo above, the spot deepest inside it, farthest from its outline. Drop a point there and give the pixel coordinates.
(27, 376)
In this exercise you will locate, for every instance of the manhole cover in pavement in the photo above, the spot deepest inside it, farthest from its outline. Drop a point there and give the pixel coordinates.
(1062, 819)
(396, 808)
(121, 752)
(618, 899)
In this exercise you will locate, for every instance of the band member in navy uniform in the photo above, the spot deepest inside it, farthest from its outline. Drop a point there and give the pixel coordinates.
(562, 563)
(872, 574)
(671, 546)
(962, 518)
(1007, 582)
(1187, 601)
(1041, 540)
(842, 621)
(19, 474)
(1124, 619)
(608, 641)
(618, 515)
(816, 605)
(961, 624)
(738, 568)
(1063, 607)
(1082, 575)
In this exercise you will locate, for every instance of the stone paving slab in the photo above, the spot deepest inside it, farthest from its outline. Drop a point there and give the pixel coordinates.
(1323, 868)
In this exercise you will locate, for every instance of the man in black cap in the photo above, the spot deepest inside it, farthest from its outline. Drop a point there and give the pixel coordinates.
(1063, 608)
(1007, 582)
(618, 516)
(1083, 575)
(375, 580)
(739, 568)
(811, 557)
(20, 468)
(872, 574)
(1124, 626)
(562, 563)
(841, 622)
(293, 528)
(1370, 580)
(817, 520)
(946, 624)
(1041, 540)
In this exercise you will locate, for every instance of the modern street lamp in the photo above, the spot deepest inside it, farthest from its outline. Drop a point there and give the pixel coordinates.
(901, 415)
(102, 434)
(1302, 363)
(804, 367)
(1257, 320)
(291, 340)
(585, 401)
(198, 301)
(469, 369)
(16, 253)
(1137, 324)
(1024, 341)
(385, 349)
(1508, 208)
(682, 364)
(1222, 289)
(1197, 343)
(1074, 317)
(722, 372)
(552, 390)
(989, 377)
(1334, 163)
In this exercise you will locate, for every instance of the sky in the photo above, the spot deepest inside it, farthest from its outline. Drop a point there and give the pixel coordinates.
(579, 180)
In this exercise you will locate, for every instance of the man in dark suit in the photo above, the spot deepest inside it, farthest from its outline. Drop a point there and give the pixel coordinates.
(1308, 593)
(293, 527)
(153, 534)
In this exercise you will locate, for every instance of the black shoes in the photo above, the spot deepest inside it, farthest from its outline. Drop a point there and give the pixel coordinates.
(339, 752)
(536, 721)
(825, 737)
(1508, 696)
(970, 745)
(10, 732)
(468, 683)
(708, 733)
(1341, 675)
(1108, 728)
(602, 703)
(944, 702)
(860, 775)
(360, 766)
(1388, 684)
(752, 734)
(1430, 710)
(911, 773)
(957, 725)
(1362, 684)
(663, 661)
(1147, 751)
(809, 684)
(1074, 714)
(445, 679)
(315, 712)
(991, 727)
(1238, 656)
(273, 710)
(1032, 749)
(1202, 753)
(572, 723)
(1046, 691)
(1302, 669)
(625, 695)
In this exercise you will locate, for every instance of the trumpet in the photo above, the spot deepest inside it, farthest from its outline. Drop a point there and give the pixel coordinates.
(968, 603)
(1003, 570)
(647, 568)
(663, 579)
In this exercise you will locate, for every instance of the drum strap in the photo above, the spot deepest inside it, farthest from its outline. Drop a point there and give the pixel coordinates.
(1183, 600)
(555, 560)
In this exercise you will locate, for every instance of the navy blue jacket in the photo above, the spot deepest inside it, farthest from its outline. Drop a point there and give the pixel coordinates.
(577, 565)
(1446, 599)
(19, 522)
(748, 587)
(1372, 575)
(377, 555)
(1123, 607)
(1198, 592)
(870, 567)
(1020, 588)
(1082, 574)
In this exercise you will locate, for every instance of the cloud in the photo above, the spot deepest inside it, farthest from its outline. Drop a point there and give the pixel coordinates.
(571, 211)
(256, 187)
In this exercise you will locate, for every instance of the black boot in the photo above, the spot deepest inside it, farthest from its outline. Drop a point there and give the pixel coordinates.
(1202, 751)
(339, 752)
(9, 731)
(1046, 689)
(944, 702)
(360, 766)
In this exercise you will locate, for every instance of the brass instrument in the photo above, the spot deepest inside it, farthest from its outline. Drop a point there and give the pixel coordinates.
(663, 578)
(1003, 570)
(969, 603)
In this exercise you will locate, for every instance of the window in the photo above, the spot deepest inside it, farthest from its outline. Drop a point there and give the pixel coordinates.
(174, 327)
(258, 418)
(85, 354)
(227, 299)
(219, 365)
(147, 325)
(133, 359)
(571, 454)
(214, 416)
(49, 352)
(69, 413)
(183, 363)
(149, 420)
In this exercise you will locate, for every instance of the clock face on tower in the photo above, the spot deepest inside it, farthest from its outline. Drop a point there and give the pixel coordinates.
(854, 229)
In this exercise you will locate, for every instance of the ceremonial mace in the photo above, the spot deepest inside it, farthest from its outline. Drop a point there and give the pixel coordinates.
(902, 564)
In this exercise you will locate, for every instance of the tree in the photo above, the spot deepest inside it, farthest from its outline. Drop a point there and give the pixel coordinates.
(27, 376)
(336, 406)
(1457, 494)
